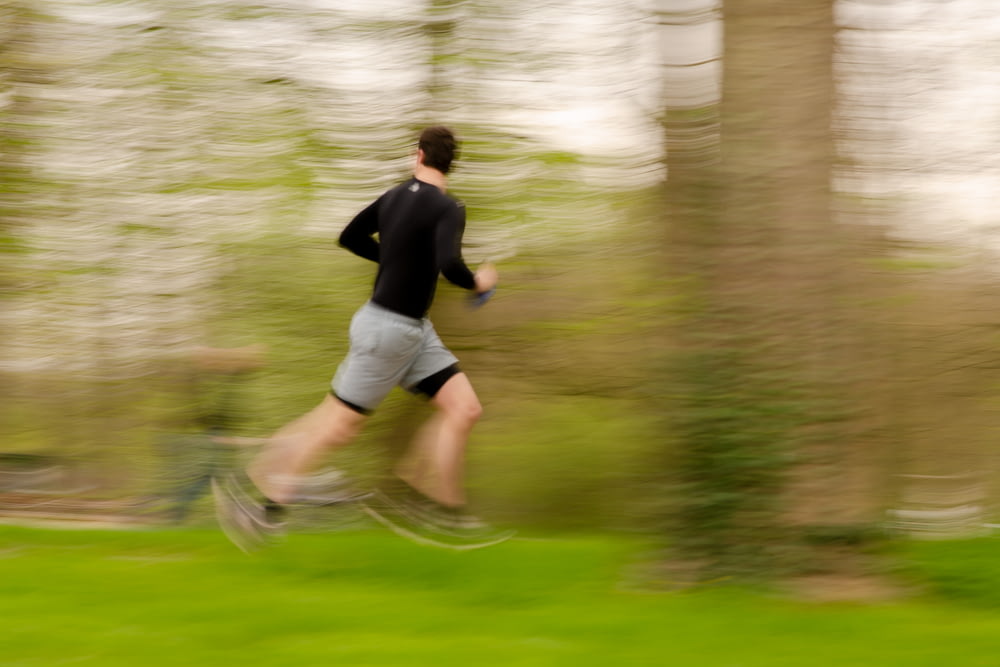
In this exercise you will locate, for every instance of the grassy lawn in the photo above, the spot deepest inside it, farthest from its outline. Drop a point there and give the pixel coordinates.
(364, 597)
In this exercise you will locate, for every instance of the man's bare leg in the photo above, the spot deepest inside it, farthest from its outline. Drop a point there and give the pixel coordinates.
(296, 448)
(435, 464)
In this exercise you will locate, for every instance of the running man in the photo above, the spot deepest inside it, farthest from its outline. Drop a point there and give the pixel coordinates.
(414, 233)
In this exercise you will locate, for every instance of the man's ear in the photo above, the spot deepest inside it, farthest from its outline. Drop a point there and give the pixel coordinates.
(420, 156)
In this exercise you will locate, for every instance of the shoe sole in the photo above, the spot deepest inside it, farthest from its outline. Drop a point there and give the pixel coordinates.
(402, 531)
(253, 533)
(417, 515)
(327, 501)
(226, 509)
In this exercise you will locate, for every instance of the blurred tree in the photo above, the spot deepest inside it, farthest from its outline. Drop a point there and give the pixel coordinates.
(439, 27)
(18, 72)
(752, 248)
(20, 69)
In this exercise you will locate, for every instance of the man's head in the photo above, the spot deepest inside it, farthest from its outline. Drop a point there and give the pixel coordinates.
(438, 147)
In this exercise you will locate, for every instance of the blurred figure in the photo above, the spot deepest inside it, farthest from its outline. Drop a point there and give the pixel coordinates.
(419, 232)
(215, 377)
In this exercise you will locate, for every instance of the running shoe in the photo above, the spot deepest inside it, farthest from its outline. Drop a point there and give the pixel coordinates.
(245, 516)
(425, 521)
(327, 487)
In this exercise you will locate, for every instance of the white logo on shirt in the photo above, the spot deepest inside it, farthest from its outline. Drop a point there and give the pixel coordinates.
(414, 187)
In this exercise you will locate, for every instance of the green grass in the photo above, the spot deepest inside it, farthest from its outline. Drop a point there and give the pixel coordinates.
(961, 570)
(187, 597)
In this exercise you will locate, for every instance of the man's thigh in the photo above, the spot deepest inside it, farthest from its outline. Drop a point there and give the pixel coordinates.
(432, 358)
(383, 349)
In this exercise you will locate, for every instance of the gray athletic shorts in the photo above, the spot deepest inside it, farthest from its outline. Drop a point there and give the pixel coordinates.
(389, 349)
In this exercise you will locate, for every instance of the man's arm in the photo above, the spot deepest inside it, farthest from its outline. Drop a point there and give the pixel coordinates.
(449, 249)
(453, 266)
(358, 235)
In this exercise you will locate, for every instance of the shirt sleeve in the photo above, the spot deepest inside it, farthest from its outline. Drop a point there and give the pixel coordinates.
(449, 248)
(359, 234)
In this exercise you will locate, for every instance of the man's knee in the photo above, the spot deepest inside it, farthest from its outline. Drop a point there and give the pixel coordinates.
(467, 411)
(474, 411)
(458, 401)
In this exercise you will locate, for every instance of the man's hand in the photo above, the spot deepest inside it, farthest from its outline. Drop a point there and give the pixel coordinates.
(486, 278)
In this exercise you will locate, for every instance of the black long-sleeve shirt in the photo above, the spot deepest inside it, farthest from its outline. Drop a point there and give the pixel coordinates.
(419, 231)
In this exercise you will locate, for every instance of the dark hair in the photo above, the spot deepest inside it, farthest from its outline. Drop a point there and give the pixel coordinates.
(439, 146)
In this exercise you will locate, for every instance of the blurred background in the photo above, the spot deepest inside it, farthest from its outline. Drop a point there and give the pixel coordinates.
(747, 254)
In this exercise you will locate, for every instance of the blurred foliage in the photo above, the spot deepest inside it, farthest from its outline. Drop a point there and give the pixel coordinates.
(809, 345)
(190, 168)
(175, 174)
(733, 423)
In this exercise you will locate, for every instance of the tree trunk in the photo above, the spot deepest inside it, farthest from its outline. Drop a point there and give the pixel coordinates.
(752, 244)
